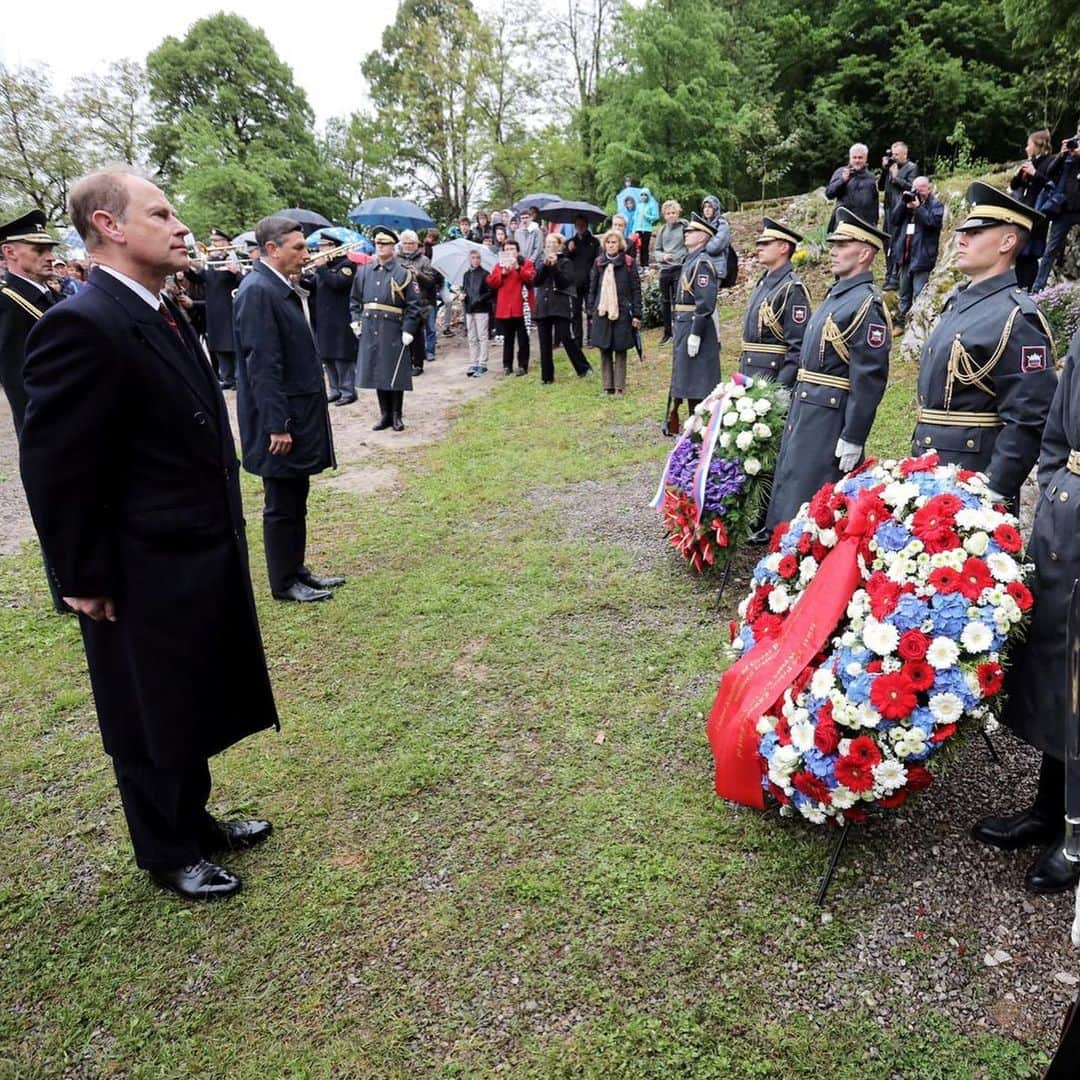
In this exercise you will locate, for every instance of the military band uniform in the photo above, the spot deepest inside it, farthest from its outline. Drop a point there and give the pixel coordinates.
(386, 302)
(843, 369)
(986, 380)
(333, 336)
(219, 289)
(774, 326)
(22, 303)
(693, 378)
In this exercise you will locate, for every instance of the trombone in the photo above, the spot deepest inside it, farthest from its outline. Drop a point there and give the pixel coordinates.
(332, 253)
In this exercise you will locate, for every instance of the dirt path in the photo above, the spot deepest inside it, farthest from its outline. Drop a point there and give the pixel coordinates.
(367, 460)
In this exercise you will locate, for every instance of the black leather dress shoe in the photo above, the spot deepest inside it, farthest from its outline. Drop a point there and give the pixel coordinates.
(303, 594)
(200, 881)
(334, 395)
(237, 835)
(313, 581)
(345, 399)
(1015, 831)
(383, 424)
(1051, 872)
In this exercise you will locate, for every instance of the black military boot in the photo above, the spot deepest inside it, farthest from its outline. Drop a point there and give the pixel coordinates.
(385, 420)
(1041, 824)
(398, 402)
(1051, 872)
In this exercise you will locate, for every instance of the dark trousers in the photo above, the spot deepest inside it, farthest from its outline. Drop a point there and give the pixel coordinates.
(284, 528)
(1027, 266)
(166, 812)
(669, 278)
(511, 329)
(344, 376)
(1055, 245)
(912, 282)
(418, 348)
(1050, 796)
(577, 312)
(644, 236)
(225, 362)
(546, 331)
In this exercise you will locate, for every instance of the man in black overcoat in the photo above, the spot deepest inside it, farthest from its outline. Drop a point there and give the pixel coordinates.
(131, 476)
(331, 284)
(281, 406)
(220, 280)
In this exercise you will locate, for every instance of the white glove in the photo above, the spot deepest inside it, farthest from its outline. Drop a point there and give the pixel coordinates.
(406, 339)
(848, 453)
(995, 496)
(357, 327)
(693, 343)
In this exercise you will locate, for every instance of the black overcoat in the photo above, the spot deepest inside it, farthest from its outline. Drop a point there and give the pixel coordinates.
(554, 289)
(1038, 682)
(219, 289)
(695, 377)
(387, 302)
(847, 338)
(618, 334)
(774, 326)
(330, 312)
(21, 305)
(989, 355)
(131, 476)
(279, 380)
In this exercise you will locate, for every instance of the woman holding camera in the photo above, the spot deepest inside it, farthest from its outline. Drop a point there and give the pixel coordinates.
(1026, 186)
(554, 305)
(615, 305)
(512, 274)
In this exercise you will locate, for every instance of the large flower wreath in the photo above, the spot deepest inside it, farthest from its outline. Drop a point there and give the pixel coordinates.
(717, 478)
(876, 625)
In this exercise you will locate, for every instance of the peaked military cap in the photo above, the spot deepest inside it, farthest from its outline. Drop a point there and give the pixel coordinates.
(849, 226)
(773, 230)
(217, 234)
(991, 207)
(28, 229)
(384, 235)
(699, 224)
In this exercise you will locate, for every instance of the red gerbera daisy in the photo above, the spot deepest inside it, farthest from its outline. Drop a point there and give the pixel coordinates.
(920, 674)
(991, 678)
(811, 786)
(778, 534)
(864, 751)
(920, 464)
(1021, 594)
(945, 579)
(1008, 538)
(974, 577)
(893, 696)
(788, 568)
(853, 775)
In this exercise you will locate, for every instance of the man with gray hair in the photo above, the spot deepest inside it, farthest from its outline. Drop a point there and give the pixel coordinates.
(131, 475)
(281, 405)
(853, 186)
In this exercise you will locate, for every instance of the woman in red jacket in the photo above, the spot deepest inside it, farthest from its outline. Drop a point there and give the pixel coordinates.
(512, 274)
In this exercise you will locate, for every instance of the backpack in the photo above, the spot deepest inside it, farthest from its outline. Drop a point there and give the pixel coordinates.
(1051, 201)
(731, 269)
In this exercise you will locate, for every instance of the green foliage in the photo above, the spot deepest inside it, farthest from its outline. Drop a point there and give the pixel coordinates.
(1061, 306)
(225, 104)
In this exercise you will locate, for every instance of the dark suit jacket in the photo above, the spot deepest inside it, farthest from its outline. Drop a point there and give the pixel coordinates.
(218, 286)
(129, 468)
(279, 379)
(17, 318)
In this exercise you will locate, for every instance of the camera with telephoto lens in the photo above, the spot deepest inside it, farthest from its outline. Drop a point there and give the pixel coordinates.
(1072, 144)
(911, 198)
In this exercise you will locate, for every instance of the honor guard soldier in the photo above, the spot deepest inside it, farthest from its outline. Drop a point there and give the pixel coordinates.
(387, 311)
(1041, 707)
(695, 364)
(986, 374)
(778, 312)
(844, 366)
(331, 283)
(28, 251)
(220, 280)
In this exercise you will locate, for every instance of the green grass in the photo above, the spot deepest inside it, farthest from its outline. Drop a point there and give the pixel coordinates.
(463, 879)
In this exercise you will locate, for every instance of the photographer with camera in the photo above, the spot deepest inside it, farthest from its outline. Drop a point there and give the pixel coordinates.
(1026, 186)
(897, 174)
(1064, 173)
(853, 186)
(914, 245)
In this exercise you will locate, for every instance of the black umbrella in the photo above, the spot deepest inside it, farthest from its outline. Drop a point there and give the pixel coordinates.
(564, 213)
(539, 199)
(308, 220)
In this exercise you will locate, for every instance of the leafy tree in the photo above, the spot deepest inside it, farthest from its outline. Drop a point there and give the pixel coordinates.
(355, 147)
(114, 110)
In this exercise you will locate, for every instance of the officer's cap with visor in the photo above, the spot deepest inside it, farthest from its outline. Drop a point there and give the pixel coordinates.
(990, 207)
(849, 226)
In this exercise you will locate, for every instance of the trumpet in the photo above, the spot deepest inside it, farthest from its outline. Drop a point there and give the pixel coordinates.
(332, 253)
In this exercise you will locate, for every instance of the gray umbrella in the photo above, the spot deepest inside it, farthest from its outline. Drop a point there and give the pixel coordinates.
(452, 259)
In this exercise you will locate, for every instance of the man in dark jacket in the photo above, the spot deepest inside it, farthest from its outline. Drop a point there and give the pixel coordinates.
(583, 248)
(131, 476)
(853, 187)
(914, 248)
(220, 280)
(1064, 172)
(897, 175)
(330, 283)
(281, 406)
(477, 298)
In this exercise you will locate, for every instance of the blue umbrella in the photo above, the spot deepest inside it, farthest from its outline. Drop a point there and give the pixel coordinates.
(339, 234)
(540, 199)
(393, 213)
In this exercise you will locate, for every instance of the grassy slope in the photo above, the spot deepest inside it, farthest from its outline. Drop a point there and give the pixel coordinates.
(463, 876)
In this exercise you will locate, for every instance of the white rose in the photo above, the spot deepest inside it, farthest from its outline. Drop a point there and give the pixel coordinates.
(977, 637)
(762, 406)
(765, 725)
(751, 466)
(744, 440)
(730, 419)
(762, 431)
(822, 682)
(942, 654)
(724, 439)
(827, 538)
(736, 391)
(880, 637)
(977, 543)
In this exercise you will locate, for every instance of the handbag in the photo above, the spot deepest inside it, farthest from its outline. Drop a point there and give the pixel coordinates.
(1051, 201)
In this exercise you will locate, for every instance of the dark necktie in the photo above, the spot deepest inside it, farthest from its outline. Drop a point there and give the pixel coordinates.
(166, 314)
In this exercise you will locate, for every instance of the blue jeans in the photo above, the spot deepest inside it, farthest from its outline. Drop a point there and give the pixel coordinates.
(430, 337)
(1055, 244)
(912, 282)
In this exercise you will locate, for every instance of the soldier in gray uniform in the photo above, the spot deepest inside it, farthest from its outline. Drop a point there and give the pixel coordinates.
(778, 312)
(986, 374)
(386, 309)
(844, 366)
(695, 362)
(1038, 683)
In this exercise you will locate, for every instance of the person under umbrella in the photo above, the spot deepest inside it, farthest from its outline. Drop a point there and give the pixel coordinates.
(615, 308)
(554, 287)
